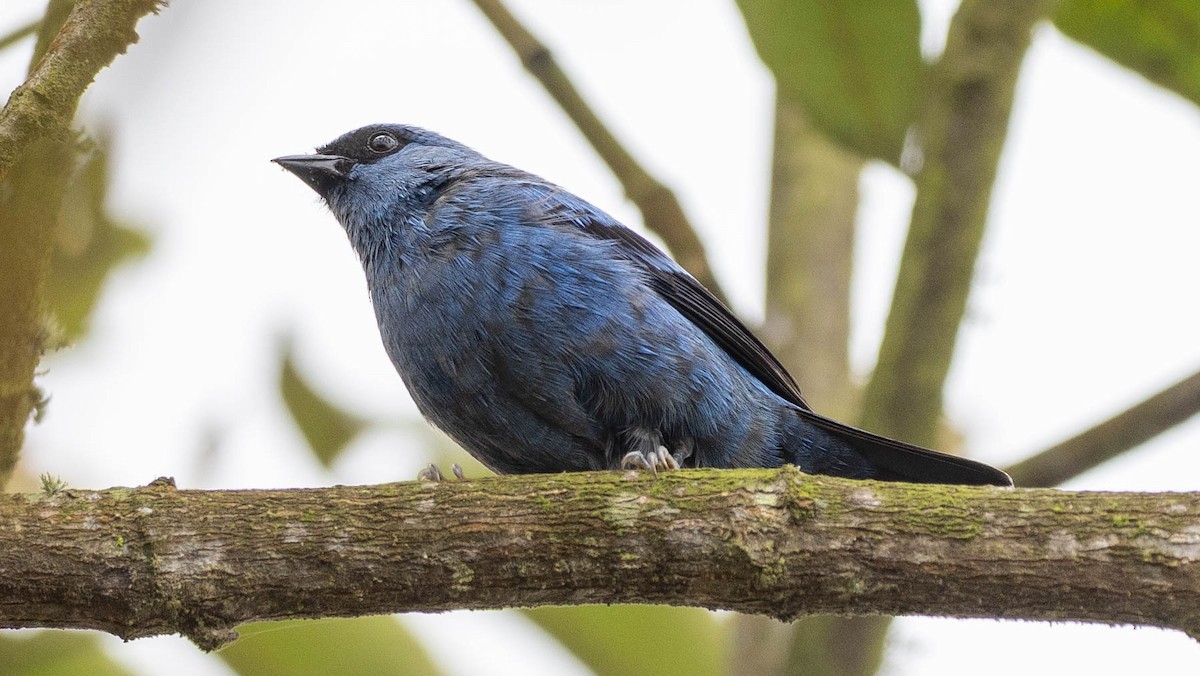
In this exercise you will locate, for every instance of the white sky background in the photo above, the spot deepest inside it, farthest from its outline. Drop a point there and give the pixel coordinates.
(1084, 304)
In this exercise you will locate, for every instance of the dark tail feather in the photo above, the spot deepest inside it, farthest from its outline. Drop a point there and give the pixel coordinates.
(897, 461)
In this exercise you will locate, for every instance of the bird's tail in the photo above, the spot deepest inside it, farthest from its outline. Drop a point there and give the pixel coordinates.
(892, 460)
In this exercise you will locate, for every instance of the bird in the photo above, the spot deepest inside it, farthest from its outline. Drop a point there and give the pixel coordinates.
(545, 336)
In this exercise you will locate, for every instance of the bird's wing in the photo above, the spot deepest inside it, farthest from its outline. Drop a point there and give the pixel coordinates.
(893, 460)
(675, 286)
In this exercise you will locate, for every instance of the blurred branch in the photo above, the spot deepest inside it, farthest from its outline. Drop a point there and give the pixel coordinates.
(37, 157)
(30, 197)
(19, 34)
(660, 209)
(611, 640)
(42, 107)
(810, 252)
(961, 131)
(1112, 437)
(154, 560)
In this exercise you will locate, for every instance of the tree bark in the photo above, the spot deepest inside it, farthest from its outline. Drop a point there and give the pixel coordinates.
(155, 560)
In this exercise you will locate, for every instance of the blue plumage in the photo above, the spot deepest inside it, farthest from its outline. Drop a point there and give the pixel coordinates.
(544, 336)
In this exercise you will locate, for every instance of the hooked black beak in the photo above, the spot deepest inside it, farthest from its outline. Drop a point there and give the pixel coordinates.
(321, 172)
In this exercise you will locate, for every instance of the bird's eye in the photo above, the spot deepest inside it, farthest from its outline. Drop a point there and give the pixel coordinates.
(383, 142)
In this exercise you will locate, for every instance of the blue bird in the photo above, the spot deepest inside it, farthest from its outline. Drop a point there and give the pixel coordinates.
(545, 336)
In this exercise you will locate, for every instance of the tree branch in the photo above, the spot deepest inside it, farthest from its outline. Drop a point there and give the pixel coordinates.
(30, 198)
(37, 157)
(810, 252)
(810, 246)
(961, 129)
(153, 560)
(661, 211)
(43, 106)
(19, 34)
(1105, 441)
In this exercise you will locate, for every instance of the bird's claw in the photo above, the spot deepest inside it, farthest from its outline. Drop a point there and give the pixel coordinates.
(654, 460)
(434, 473)
(430, 473)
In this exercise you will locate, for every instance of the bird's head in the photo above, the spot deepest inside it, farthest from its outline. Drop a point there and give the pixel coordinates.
(376, 178)
(375, 161)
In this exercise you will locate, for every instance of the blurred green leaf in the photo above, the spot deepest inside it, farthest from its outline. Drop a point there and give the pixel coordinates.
(88, 246)
(621, 640)
(363, 645)
(853, 65)
(53, 653)
(1159, 39)
(328, 428)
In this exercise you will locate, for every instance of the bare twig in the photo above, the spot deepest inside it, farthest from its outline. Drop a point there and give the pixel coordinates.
(660, 209)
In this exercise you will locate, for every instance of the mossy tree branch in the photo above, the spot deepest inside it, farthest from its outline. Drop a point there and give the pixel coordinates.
(154, 560)
(660, 209)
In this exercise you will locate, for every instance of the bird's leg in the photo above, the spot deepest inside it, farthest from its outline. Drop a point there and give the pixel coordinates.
(647, 452)
(683, 451)
(430, 473)
(434, 473)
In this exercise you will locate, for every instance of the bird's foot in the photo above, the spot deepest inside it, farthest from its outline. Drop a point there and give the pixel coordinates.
(654, 460)
(434, 473)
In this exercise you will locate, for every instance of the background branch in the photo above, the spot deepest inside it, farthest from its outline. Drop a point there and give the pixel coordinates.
(961, 126)
(19, 34)
(661, 211)
(1105, 441)
(810, 251)
(37, 158)
(95, 32)
(961, 129)
(29, 202)
(139, 562)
